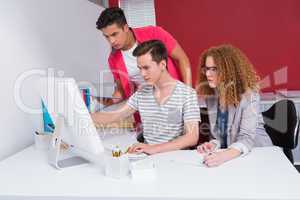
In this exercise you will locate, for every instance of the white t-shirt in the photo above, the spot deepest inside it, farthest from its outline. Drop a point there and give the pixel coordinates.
(131, 65)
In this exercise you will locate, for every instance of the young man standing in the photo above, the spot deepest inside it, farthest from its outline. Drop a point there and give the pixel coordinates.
(169, 109)
(123, 40)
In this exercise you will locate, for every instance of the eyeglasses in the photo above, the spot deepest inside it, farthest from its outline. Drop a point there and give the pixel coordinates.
(213, 70)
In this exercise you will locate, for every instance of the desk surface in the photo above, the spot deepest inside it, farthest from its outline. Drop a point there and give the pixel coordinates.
(263, 174)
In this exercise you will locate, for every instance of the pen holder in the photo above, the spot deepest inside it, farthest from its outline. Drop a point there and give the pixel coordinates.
(116, 167)
(42, 140)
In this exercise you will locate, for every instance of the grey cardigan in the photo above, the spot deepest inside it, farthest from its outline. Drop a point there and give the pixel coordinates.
(245, 123)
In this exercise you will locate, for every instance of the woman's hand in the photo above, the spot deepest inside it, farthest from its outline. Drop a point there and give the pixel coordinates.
(214, 159)
(206, 147)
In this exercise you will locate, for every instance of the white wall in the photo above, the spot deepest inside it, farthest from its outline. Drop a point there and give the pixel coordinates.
(139, 12)
(37, 34)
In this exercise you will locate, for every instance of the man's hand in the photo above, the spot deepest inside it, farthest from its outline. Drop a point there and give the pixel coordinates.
(143, 148)
(93, 116)
(105, 100)
(113, 116)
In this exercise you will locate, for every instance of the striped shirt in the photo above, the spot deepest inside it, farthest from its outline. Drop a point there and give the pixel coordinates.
(165, 122)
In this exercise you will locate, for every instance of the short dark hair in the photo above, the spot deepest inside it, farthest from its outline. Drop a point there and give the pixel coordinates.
(156, 49)
(109, 16)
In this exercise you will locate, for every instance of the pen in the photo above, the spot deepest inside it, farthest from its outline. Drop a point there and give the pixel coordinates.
(127, 150)
(208, 154)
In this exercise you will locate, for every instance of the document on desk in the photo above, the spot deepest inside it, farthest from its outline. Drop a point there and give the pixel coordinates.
(186, 157)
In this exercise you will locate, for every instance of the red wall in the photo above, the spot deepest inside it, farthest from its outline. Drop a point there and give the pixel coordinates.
(268, 31)
(113, 3)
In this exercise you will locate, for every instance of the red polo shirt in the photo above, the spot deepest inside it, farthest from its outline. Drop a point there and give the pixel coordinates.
(117, 64)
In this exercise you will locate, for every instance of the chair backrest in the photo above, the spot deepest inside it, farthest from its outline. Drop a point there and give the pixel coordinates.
(297, 131)
(282, 124)
(204, 126)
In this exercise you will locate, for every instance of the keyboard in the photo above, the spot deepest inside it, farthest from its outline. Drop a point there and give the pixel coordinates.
(136, 156)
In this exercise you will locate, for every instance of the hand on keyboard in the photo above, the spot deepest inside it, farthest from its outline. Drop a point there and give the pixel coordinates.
(136, 156)
(144, 148)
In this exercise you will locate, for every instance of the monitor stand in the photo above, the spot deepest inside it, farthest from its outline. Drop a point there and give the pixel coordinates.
(54, 153)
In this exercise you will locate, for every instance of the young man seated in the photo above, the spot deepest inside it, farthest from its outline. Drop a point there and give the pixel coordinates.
(169, 109)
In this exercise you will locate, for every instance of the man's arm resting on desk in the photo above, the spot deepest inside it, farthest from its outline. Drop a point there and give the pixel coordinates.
(190, 138)
(112, 116)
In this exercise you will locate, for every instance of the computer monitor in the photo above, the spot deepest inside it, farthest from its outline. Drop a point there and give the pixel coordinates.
(63, 100)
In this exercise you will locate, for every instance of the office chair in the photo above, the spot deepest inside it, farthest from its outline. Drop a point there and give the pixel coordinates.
(140, 138)
(204, 126)
(282, 125)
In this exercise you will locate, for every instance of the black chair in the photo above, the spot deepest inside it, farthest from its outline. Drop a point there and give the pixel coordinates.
(204, 127)
(282, 125)
(140, 138)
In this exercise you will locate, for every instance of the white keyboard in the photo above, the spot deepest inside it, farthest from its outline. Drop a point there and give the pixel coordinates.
(136, 156)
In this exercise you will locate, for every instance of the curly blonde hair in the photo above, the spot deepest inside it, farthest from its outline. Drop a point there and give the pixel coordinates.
(235, 74)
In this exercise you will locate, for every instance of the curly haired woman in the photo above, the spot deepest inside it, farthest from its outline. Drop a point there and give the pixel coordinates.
(229, 85)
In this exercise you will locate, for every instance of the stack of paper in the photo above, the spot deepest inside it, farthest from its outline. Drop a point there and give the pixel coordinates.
(186, 157)
(143, 169)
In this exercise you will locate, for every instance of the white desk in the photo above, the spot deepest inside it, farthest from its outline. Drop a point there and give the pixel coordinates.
(264, 174)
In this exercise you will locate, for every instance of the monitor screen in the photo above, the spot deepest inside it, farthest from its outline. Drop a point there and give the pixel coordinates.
(62, 97)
